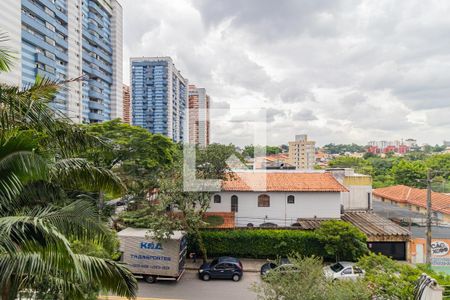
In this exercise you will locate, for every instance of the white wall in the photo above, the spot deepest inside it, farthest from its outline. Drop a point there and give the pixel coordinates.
(117, 44)
(10, 24)
(307, 205)
(357, 197)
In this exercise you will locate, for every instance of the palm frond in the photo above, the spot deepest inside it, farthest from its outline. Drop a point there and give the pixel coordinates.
(6, 56)
(77, 173)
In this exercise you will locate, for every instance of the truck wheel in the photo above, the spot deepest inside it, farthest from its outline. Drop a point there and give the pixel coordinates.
(206, 277)
(236, 277)
(150, 278)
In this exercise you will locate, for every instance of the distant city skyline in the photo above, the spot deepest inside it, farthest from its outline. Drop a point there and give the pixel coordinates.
(340, 71)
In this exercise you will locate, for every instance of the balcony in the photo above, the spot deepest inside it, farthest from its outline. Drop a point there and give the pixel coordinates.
(102, 54)
(95, 83)
(97, 95)
(40, 57)
(101, 75)
(96, 8)
(95, 17)
(96, 105)
(35, 40)
(45, 74)
(96, 116)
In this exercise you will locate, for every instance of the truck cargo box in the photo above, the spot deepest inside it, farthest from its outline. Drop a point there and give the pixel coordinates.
(148, 257)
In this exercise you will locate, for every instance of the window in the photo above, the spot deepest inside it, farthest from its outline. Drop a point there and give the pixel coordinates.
(357, 270)
(290, 199)
(263, 200)
(347, 271)
(234, 203)
(217, 199)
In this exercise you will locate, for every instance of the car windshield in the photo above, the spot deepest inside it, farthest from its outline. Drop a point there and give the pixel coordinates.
(337, 267)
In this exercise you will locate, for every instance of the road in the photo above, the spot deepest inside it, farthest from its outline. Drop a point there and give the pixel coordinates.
(191, 288)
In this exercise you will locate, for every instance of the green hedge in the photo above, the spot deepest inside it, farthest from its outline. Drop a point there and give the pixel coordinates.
(259, 243)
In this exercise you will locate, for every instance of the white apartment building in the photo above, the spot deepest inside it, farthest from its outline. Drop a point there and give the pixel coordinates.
(302, 152)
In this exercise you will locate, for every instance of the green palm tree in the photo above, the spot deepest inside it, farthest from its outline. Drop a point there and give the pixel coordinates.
(39, 176)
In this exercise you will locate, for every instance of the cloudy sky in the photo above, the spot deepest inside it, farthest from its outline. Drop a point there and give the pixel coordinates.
(340, 71)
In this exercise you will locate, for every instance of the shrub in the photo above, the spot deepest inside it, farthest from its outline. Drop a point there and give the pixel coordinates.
(272, 243)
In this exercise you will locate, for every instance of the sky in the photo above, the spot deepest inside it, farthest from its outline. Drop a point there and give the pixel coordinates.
(341, 71)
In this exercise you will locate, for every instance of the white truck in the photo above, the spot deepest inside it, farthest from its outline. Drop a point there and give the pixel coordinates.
(150, 258)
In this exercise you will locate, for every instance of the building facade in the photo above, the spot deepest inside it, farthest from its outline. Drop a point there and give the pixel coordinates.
(126, 104)
(69, 39)
(279, 197)
(302, 152)
(159, 96)
(198, 116)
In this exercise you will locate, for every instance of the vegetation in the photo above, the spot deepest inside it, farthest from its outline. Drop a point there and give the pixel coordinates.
(137, 156)
(190, 206)
(342, 240)
(308, 282)
(249, 151)
(343, 148)
(384, 279)
(42, 184)
(408, 170)
(324, 242)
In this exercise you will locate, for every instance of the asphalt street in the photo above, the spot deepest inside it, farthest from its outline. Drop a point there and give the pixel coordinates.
(189, 287)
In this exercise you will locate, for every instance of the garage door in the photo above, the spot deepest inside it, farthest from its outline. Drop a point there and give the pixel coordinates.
(395, 250)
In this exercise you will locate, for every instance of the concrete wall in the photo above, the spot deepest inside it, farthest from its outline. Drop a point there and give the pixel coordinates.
(307, 205)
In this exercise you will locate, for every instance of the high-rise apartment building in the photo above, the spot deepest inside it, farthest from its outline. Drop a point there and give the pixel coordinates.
(67, 39)
(126, 104)
(302, 152)
(159, 95)
(198, 116)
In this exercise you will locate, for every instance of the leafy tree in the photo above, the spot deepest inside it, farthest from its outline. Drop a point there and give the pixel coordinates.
(186, 208)
(249, 151)
(389, 279)
(307, 281)
(136, 155)
(410, 173)
(36, 168)
(343, 148)
(358, 164)
(342, 240)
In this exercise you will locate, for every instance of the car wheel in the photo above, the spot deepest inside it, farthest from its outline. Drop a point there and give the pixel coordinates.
(206, 277)
(150, 278)
(236, 277)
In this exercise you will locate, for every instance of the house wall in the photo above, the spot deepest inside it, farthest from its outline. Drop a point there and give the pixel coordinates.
(358, 197)
(307, 205)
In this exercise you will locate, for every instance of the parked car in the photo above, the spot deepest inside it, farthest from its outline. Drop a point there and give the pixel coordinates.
(284, 265)
(343, 270)
(224, 267)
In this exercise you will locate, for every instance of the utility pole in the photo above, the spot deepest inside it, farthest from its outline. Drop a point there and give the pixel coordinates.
(428, 258)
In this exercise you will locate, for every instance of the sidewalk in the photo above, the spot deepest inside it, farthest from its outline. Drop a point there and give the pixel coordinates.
(249, 264)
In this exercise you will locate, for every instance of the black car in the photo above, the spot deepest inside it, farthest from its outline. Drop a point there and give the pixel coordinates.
(282, 266)
(222, 268)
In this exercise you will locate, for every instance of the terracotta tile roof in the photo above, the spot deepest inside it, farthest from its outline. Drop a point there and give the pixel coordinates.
(282, 182)
(405, 194)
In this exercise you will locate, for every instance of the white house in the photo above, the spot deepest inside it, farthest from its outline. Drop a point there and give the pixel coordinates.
(279, 197)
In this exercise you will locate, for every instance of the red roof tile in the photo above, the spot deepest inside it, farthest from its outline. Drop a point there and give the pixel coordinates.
(282, 182)
(405, 194)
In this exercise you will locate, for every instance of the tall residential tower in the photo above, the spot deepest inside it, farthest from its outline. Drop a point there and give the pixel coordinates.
(159, 96)
(67, 39)
(302, 152)
(198, 116)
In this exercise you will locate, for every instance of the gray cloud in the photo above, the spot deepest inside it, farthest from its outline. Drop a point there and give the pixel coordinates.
(359, 70)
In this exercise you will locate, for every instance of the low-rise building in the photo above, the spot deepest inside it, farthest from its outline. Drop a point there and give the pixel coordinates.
(359, 186)
(416, 200)
(279, 197)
